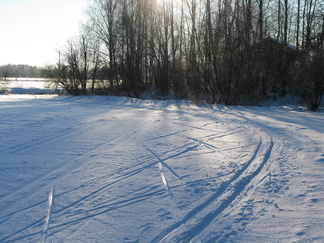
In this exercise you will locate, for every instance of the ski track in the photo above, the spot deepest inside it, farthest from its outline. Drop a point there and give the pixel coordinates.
(33, 144)
(194, 225)
(102, 189)
(45, 179)
(104, 208)
(91, 196)
(67, 168)
(114, 204)
(165, 181)
(65, 133)
(203, 143)
(60, 171)
(39, 223)
(238, 187)
(186, 231)
(162, 162)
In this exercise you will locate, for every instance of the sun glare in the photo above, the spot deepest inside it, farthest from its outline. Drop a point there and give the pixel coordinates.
(34, 29)
(161, 2)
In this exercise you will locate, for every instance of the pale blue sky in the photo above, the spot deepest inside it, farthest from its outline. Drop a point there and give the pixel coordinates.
(32, 30)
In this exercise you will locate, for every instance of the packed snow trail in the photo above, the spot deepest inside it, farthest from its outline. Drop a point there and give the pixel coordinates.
(158, 171)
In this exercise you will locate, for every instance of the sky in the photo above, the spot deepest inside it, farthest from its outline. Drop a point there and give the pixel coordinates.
(31, 31)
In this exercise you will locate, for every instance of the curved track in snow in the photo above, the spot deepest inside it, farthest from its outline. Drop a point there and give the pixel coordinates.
(155, 171)
(199, 218)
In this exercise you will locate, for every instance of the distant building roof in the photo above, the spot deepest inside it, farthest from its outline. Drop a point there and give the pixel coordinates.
(292, 47)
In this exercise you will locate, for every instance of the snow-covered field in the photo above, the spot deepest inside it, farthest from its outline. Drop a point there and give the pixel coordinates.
(27, 86)
(108, 169)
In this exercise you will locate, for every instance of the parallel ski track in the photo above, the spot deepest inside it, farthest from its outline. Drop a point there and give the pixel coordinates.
(204, 214)
(63, 166)
(67, 132)
(52, 173)
(98, 209)
(180, 231)
(63, 169)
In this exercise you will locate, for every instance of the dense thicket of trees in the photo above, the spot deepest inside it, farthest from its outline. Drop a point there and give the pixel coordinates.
(225, 51)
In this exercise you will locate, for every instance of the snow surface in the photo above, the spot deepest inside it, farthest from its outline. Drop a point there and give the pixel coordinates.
(28, 86)
(113, 169)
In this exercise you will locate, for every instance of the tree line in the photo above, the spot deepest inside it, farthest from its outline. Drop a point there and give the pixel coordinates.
(16, 71)
(222, 51)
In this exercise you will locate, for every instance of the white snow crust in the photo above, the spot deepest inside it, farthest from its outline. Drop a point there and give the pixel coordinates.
(115, 169)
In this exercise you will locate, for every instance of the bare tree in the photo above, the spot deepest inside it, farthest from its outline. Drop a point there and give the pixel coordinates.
(215, 50)
(103, 15)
